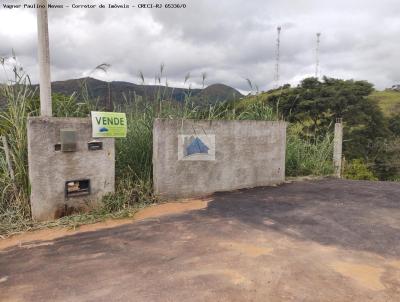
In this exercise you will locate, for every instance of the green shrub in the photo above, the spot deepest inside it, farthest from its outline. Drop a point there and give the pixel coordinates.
(358, 170)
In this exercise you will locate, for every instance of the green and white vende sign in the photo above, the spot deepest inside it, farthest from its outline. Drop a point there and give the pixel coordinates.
(108, 124)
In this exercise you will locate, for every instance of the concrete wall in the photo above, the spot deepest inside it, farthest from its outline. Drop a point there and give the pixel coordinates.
(49, 169)
(247, 154)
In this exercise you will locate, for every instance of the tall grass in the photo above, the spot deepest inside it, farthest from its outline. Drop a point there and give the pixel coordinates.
(14, 182)
(134, 184)
(308, 156)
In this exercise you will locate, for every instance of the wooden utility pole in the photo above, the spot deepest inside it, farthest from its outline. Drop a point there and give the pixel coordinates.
(44, 58)
(337, 148)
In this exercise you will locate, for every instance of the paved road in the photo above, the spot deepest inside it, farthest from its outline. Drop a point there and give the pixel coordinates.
(326, 240)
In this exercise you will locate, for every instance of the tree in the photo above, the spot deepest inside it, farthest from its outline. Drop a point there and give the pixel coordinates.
(394, 124)
(317, 104)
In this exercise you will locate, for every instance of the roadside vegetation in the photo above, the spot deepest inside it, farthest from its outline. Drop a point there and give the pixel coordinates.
(371, 122)
(307, 156)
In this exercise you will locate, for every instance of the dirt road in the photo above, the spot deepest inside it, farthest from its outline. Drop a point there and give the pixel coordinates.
(326, 240)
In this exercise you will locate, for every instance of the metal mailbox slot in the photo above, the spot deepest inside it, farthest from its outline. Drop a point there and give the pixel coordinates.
(94, 146)
(68, 140)
(77, 188)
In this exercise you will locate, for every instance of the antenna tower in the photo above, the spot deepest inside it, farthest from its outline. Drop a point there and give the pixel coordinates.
(317, 55)
(277, 64)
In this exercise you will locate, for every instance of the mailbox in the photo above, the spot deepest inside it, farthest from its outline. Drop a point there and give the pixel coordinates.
(74, 188)
(95, 146)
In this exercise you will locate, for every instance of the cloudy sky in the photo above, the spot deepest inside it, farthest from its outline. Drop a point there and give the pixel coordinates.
(230, 40)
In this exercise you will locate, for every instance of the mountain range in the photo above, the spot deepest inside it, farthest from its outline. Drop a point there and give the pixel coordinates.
(120, 92)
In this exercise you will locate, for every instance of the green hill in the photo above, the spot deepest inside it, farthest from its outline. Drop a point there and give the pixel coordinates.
(218, 93)
(389, 101)
(118, 90)
(261, 97)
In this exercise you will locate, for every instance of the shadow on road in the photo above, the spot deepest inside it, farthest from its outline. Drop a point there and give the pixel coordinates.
(352, 214)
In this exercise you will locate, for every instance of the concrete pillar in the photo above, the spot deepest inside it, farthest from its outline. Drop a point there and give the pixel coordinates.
(337, 148)
(51, 170)
(44, 58)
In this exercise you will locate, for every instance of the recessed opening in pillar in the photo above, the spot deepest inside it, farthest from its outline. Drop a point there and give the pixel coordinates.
(77, 188)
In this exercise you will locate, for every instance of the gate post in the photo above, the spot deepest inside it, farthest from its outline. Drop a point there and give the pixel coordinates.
(337, 148)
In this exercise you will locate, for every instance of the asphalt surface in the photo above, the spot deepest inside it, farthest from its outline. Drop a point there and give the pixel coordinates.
(328, 240)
